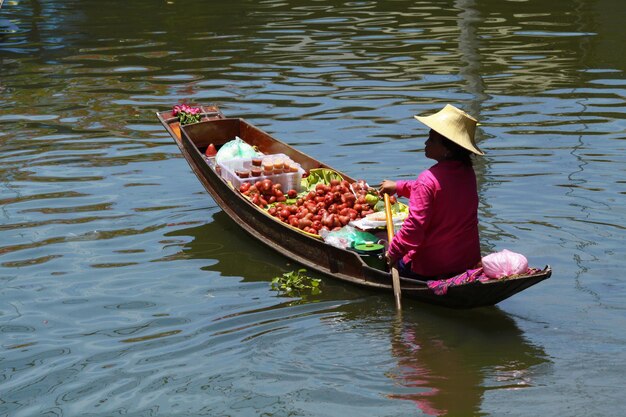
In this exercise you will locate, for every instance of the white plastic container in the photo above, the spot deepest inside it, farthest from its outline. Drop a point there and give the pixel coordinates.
(288, 180)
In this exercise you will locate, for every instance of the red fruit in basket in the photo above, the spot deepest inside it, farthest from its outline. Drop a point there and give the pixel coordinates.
(244, 187)
(302, 212)
(302, 223)
(292, 193)
(344, 220)
(327, 221)
(337, 221)
(284, 213)
(210, 150)
(266, 185)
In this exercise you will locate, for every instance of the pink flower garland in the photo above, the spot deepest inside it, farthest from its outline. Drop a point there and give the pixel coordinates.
(187, 114)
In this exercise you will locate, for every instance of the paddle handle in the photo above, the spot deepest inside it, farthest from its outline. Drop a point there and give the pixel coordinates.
(388, 218)
(395, 276)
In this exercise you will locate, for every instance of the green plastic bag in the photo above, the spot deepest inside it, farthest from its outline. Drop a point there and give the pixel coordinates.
(346, 237)
(234, 149)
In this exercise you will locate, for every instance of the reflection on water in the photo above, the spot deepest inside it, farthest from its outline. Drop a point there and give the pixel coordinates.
(234, 252)
(445, 362)
(237, 254)
(449, 360)
(127, 291)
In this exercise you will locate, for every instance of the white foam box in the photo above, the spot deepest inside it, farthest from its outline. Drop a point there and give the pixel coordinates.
(288, 180)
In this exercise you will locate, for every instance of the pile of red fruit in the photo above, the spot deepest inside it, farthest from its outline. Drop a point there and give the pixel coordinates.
(361, 189)
(329, 207)
(264, 192)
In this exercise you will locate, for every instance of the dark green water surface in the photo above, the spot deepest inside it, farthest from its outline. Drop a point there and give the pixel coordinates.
(124, 290)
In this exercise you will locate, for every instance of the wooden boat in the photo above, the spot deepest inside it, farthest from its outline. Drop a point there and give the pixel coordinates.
(303, 248)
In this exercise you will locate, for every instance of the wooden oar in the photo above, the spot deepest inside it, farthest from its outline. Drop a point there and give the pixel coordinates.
(395, 276)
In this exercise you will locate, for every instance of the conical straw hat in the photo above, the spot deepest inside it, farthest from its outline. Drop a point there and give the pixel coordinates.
(455, 125)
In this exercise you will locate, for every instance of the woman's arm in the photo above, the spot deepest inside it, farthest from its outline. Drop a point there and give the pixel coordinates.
(387, 187)
(403, 188)
(411, 235)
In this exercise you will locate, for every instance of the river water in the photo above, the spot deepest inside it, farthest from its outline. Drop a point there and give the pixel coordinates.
(126, 291)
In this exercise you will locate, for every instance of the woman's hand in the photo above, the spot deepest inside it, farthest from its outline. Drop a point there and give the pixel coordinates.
(390, 260)
(387, 187)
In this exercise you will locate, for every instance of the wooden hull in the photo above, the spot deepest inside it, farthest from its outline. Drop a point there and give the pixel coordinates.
(304, 249)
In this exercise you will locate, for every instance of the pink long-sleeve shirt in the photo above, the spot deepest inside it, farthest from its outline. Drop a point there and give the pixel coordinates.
(440, 235)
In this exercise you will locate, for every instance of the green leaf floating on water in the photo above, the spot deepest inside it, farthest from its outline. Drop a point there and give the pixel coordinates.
(295, 282)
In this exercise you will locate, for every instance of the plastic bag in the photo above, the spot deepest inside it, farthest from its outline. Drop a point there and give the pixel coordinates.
(236, 148)
(399, 213)
(365, 223)
(346, 237)
(504, 263)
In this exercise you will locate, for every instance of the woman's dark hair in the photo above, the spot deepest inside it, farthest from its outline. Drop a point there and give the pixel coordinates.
(457, 152)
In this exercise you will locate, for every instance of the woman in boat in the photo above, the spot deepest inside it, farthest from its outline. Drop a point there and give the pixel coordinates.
(439, 237)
